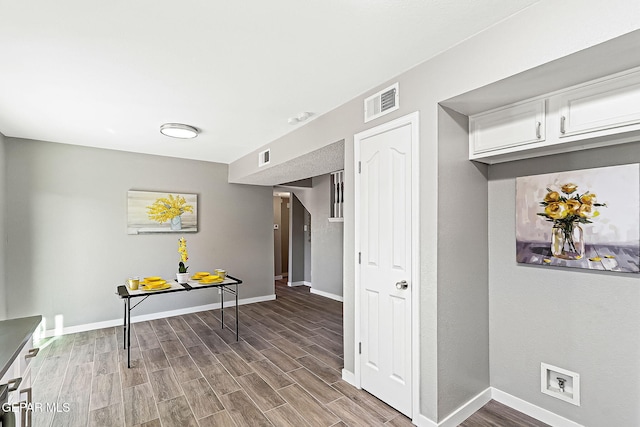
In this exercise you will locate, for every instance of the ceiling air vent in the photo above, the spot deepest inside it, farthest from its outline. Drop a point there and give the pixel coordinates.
(381, 103)
(264, 157)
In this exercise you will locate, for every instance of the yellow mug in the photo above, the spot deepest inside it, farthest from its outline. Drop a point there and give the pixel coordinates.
(133, 283)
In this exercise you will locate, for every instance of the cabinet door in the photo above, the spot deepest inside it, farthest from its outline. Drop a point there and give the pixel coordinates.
(13, 395)
(607, 104)
(22, 396)
(10, 374)
(508, 127)
(26, 355)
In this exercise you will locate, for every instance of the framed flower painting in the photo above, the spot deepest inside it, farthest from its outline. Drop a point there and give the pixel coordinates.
(587, 218)
(153, 212)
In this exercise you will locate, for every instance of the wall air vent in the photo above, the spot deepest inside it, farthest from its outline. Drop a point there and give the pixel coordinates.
(264, 157)
(381, 103)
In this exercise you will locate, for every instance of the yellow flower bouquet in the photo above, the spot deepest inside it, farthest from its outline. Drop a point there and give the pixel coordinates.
(567, 209)
(169, 209)
(182, 276)
(184, 255)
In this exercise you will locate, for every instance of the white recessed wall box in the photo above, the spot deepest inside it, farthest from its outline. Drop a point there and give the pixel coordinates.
(560, 383)
(264, 157)
(381, 103)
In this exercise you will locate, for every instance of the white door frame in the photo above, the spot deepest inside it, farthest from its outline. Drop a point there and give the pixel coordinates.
(412, 119)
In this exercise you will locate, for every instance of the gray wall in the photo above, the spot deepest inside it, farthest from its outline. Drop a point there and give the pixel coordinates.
(531, 42)
(463, 295)
(306, 234)
(3, 209)
(581, 320)
(66, 223)
(296, 240)
(328, 241)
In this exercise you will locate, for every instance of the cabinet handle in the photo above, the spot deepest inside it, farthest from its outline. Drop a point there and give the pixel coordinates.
(538, 128)
(32, 353)
(16, 384)
(563, 119)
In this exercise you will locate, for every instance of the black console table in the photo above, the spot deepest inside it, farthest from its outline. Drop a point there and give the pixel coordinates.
(228, 285)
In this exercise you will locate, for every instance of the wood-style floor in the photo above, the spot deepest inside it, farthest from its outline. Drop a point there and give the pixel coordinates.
(187, 371)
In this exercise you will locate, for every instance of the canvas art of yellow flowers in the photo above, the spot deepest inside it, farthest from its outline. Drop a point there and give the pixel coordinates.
(169, 208)
(566, 209)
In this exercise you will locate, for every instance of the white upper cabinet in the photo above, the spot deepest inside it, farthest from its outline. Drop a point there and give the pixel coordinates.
(512, 126)
(598, 106)
(594, 114)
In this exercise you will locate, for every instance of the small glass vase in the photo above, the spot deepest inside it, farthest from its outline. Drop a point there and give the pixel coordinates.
(567, 241)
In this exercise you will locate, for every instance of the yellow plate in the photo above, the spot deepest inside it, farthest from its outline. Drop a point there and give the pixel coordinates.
(156, 284)
(202, 273)
(211, 279)
(156, 288)
(152, 278)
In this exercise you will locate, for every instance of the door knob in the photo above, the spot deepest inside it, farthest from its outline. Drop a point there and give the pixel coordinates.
(402, 285)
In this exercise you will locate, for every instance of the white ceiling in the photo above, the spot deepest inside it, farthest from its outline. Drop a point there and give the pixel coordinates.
(108, 74)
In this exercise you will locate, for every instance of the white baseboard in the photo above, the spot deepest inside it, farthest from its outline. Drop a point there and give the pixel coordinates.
(459, 415)
(532, 410)
(473, 405)
(152, 316)
(349, 377)
(299, 283)
(469, 408)
(422, 421)
(466, 410)
(278, 277)
(327, 295)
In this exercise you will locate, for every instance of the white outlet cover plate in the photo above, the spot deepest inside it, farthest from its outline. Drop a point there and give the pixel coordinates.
(572, 397)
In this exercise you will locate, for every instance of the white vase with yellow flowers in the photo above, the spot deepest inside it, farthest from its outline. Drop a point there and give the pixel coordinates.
(182, 275)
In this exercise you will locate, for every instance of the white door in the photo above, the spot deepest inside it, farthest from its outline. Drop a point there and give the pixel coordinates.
(384, 221)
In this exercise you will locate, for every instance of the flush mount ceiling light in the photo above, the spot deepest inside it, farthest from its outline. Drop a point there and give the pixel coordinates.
(301, 117)
(178, 130)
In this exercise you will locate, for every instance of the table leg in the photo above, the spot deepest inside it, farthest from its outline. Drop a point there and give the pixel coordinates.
(237, 323)
(222, 305)
(128, 332)
(124, 336)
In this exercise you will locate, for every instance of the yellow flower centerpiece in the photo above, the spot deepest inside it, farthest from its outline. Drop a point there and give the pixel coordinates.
(169, 209)
(182, 275)
(567, 209)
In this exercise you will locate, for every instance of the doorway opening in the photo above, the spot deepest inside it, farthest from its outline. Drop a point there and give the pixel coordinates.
(316, 236)
(299, 244)
(281, 206)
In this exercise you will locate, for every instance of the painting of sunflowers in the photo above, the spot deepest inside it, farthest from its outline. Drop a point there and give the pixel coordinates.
(587, 218)
(154, 212)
